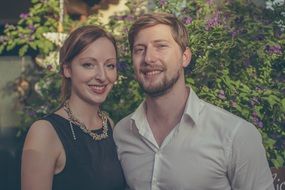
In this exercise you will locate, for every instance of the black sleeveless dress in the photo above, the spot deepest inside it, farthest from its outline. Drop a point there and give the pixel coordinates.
(90, 164)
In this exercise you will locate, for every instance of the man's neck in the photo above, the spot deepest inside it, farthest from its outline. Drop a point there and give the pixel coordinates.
(165, 112)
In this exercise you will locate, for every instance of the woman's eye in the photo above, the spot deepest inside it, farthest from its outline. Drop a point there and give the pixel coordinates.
(87, 65)
(111, 66)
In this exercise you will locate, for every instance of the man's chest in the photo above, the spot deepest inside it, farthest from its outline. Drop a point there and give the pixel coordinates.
(190, 165)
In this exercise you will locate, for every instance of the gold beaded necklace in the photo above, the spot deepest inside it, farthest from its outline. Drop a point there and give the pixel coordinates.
(72, 119)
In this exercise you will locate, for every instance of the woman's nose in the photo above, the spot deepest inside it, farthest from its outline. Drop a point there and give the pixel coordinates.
(100, 74)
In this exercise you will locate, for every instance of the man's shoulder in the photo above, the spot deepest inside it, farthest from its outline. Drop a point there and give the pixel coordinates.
(224, 118)
(227, 125)
(221, 112)
(124, 123)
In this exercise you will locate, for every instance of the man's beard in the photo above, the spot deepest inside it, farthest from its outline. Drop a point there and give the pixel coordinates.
(161, 88)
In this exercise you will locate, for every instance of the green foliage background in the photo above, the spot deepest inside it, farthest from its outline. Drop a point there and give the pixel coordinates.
(238, 60)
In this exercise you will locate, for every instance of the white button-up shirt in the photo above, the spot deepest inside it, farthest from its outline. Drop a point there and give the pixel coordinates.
(210, 149)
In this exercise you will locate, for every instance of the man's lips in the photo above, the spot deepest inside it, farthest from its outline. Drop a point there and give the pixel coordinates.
(152, 73)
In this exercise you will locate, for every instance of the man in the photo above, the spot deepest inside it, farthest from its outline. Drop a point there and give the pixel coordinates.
(174, 140)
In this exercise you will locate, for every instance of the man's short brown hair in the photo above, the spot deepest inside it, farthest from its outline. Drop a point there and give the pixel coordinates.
(178, 30)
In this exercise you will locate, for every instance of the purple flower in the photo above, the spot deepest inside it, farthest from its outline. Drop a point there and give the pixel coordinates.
(24, 15)
(278, 34)
(187, 20)
(162, 2)
(233, 104)
(275, 49)
(259, 37)
(239, 20)
(118, 17)
(214, 21)
(221, 95)
(32, 113)
(259, 88)
(129, 17)
(122, 65)
(234, 33)
(31, 27)
(210, 2)
(256, 120)
(260, 124)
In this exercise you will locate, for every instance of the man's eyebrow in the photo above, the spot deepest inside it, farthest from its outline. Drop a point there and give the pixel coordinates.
(139, 44)
(154, 41)
(160, 40)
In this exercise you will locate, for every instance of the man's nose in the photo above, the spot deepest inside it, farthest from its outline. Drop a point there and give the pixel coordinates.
(150, 55)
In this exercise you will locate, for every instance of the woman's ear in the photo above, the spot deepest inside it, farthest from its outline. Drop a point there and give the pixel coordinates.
(187, 54)
(66, 70)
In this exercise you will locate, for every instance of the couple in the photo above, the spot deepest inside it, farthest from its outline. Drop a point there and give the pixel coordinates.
(172, 141)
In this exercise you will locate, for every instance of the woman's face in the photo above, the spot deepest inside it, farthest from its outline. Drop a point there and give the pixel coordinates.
(93, 72)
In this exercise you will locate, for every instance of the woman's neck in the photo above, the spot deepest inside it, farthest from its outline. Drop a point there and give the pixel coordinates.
(85, 112)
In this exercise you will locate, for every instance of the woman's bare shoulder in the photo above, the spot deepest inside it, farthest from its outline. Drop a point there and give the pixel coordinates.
(41, 135)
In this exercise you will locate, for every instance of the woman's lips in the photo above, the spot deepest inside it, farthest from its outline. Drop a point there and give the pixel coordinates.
(98, 89)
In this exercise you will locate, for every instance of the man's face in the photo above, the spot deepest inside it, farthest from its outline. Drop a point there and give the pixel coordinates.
(158, 60)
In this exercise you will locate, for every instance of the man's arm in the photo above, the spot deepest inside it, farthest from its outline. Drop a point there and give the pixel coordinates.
(248, 165)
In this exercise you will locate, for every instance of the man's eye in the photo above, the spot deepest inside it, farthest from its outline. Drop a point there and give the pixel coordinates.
(138, 50)
(162, 45)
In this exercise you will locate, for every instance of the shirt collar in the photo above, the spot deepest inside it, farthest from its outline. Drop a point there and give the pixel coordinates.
(193, 106)
(139, 116)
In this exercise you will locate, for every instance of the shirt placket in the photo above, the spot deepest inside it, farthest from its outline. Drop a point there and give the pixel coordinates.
(156, 170)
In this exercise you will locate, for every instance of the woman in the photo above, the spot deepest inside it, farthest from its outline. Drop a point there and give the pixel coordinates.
(73, 148)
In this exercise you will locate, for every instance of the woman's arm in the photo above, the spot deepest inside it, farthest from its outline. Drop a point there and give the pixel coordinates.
(41, 149)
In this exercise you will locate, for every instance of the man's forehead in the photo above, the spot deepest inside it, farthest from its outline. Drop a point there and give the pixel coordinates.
(155, 33)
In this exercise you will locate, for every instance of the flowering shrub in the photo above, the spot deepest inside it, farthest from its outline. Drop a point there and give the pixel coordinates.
(238, 63)
(238, 60)
(278, 12)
